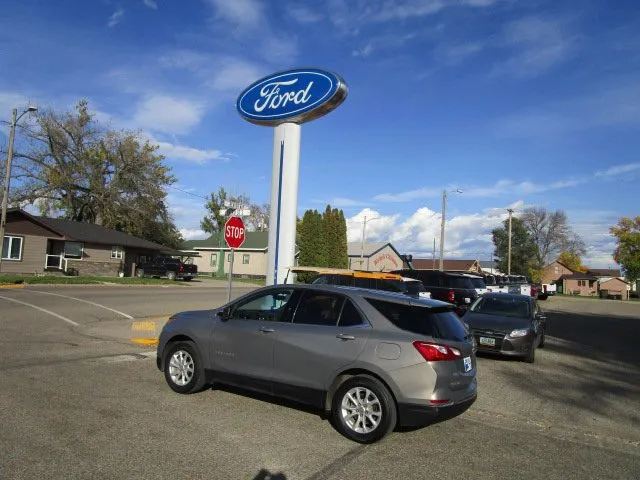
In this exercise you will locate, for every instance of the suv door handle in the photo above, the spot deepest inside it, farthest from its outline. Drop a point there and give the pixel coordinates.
(343, 336)
(266, 330)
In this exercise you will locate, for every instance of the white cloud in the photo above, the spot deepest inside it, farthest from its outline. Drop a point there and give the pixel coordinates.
(465, 235)
(167, 114)
(348, 16)
(191, 154)
(618, 170)
(151, 4)
(193, 234)
(232, 75)
(302, 14)
(364, 51)
(409, 195)
(115, 18)
(456, 54)
(243, 13)
(538, 45)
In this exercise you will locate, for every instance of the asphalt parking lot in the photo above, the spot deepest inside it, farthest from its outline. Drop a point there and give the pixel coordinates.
(79, 400)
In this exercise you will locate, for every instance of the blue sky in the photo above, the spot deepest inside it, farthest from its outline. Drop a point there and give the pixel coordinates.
(515, 102)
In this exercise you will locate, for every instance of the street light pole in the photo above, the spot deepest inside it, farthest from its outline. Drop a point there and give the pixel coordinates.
(510, 210)
(7, 176)
(364, 226)
(444, 210)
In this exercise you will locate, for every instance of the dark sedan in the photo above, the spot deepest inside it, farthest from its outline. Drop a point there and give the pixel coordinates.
(507, 324)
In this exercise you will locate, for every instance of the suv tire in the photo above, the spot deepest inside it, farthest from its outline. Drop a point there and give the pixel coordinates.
(363, 409)
(183, 368)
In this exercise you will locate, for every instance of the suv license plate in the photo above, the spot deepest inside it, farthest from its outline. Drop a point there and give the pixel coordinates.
(488, 341)
(467, 364)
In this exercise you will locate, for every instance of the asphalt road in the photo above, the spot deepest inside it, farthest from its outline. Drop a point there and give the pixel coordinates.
(78, 400)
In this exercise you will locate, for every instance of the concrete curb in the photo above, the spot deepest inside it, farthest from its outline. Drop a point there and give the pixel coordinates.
(13, 285)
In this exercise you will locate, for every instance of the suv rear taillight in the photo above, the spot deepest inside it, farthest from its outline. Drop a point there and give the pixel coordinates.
(451, 296)
(435, 352)
(181, 267)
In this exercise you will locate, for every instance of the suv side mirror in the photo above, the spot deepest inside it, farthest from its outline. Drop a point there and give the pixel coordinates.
(224, 314)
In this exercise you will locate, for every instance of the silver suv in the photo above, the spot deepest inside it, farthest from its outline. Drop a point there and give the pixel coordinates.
(370, 360)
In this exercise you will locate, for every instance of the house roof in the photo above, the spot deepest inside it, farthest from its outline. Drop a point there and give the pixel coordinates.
(354, 249)
(602, 280)
(448, 265)
(91, 233)
(252, 241)
(577, 276)
(604, 272)
(561, 264)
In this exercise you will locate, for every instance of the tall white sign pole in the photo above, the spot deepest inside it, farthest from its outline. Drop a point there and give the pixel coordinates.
(284, 202)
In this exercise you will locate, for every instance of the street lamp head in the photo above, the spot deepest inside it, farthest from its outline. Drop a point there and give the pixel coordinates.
(31, 108)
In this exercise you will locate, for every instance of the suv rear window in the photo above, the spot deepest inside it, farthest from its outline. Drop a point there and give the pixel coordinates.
(460, 282)
(478, 282)
(439, 323)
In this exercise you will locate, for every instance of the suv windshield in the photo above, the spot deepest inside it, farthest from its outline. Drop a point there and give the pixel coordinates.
(503, 306)
(420, 319)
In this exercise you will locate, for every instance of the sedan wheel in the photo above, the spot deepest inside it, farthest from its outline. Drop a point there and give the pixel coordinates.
(183, 368)
(364, 410)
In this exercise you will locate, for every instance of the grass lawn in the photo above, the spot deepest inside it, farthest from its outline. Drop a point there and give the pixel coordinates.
(254, 281)
(59, 280)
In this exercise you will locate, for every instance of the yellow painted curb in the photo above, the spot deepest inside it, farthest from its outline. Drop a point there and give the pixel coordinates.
(147, 342)
(13, 285)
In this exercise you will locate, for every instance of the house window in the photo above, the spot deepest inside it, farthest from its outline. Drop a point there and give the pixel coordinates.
(12, 248)
(245, 259)
(117, 252)
(582, 283)
(556, 270)
(213, 261)
(73, 249)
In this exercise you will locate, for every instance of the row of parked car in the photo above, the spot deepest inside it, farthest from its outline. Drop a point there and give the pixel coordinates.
(371, 351)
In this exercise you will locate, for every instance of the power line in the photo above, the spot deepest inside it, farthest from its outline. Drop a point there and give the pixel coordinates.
(188, 193)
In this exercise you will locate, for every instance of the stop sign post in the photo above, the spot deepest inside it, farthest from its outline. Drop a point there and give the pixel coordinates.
(234, 235)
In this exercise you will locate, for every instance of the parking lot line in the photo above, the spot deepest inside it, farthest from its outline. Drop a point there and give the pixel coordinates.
(86, 301)
(71, 322)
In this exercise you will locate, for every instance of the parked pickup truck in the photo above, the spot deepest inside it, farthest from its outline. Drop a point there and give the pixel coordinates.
(171, 268)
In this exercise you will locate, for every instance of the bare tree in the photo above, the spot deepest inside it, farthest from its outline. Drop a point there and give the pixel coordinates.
(72, 166)
(551, 234)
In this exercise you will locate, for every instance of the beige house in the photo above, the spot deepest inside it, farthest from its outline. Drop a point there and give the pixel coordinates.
(37, 245)
(373, 257)
(212, 256)
(552, 272)
(614, 287)
(578, 284)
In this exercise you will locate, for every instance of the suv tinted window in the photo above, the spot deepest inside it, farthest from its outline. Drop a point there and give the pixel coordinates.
(434, 322)
(459, 282)
(415, 287)
(350, 315)
(318, 308)
(478, 282)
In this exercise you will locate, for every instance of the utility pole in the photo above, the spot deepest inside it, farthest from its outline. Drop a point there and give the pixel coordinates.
(510, 210)
(364, 226)
(444, 208)
(433, 257)
(7, 177)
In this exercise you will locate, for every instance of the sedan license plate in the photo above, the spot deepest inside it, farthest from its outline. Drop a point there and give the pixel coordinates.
(491, 342)
(467, 364)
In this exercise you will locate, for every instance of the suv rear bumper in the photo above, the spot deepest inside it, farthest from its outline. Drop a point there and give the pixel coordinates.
(412, 415)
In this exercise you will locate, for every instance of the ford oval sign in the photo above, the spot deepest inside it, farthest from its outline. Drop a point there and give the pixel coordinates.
(293, 96)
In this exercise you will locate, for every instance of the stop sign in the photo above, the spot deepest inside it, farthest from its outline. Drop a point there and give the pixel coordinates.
(234, 232)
